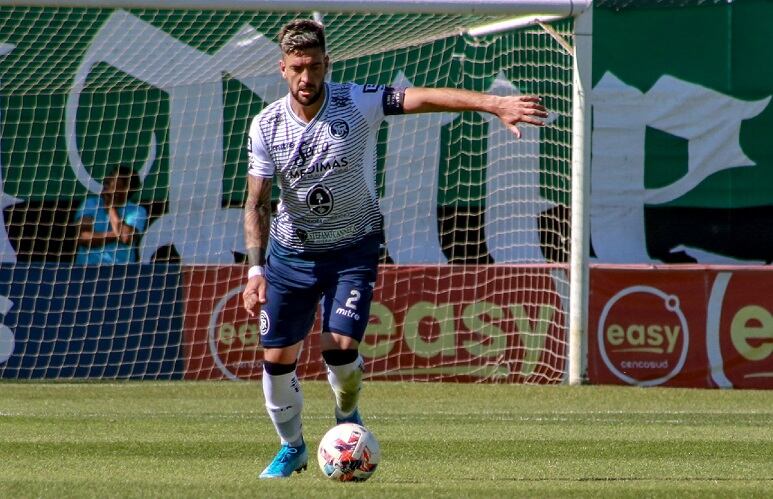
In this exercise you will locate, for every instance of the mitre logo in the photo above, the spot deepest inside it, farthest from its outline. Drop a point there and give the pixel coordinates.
(643, 336)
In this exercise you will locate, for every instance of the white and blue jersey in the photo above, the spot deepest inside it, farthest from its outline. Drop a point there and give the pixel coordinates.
(326, 233)
(326, 169)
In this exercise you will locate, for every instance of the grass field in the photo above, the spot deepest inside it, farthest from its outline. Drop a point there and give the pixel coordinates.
(181, 439)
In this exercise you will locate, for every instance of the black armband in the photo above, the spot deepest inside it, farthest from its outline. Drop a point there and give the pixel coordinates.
(256, 256)
(392, 100)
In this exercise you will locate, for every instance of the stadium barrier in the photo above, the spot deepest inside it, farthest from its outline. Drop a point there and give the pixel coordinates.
(685, 326)
(65, 322)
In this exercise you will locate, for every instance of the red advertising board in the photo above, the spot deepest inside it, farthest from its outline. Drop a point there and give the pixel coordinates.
(454, 323)
(691, 326)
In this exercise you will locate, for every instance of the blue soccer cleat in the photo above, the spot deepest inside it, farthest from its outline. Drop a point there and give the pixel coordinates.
(354, 417)
(287, 460)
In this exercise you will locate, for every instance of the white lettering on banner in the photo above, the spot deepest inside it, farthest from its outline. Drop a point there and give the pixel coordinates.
(7, 339)
(637, 338)
(201, 230)
(621, 114)
(204, 232)
(7, 253)
(411, 185)
(513, 201)
(713, 318)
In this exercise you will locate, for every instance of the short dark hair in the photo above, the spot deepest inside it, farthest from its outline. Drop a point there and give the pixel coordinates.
(127, 173)
(301, 34)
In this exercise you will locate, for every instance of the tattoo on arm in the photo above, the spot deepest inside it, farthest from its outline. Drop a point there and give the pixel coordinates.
(257, 217)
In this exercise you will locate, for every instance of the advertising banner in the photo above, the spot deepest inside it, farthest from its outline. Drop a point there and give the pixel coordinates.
(453, 323)
(64, 322)
(672, 182)
(689, 327)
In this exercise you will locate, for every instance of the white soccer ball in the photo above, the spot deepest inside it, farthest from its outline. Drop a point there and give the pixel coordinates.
(348, 453)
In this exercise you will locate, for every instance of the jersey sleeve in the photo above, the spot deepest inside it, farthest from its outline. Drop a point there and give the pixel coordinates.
(377, 101)
(87, 209)
(137, 217)
(260, 162)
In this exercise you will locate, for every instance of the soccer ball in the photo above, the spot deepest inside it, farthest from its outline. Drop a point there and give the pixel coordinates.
(348, 453)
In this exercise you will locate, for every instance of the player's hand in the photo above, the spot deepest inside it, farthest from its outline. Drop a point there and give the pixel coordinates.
(254, 295)
(514, 109)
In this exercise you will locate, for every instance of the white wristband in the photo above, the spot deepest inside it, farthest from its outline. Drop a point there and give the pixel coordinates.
(254, 271)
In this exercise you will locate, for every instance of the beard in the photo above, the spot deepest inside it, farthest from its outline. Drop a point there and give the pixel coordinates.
(307, 101)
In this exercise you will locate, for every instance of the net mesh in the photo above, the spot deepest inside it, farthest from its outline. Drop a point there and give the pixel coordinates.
(473, 283)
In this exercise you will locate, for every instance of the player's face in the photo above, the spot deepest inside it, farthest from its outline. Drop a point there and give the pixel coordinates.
(305, 74)
(117, 187)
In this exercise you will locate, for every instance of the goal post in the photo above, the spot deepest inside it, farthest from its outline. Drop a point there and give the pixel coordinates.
(486, 236)
(562, 8)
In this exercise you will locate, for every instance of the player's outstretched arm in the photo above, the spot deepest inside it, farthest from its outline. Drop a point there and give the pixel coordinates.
(257, 215)
(511, 109)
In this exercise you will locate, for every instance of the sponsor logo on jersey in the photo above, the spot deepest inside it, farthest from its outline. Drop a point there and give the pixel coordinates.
(340, 100)
(276, 118)
(338, 129)
(306, 150)
(327, 236)
(370, 88)
(319, 199)
(282, 146)
(318, 169)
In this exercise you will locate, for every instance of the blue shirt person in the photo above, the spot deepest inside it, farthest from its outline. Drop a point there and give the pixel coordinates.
(109, 223)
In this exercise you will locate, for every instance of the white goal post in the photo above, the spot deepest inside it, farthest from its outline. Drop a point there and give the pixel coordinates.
(508, 15)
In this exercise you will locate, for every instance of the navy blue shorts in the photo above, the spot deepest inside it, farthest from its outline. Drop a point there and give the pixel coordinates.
(343, 280)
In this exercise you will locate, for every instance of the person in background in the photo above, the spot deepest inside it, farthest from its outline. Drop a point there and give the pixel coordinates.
(109, 223)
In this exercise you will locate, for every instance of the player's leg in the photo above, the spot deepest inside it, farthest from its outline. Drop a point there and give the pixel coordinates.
(285, 320)
(345, 314)
(344, 373)
(283, 394)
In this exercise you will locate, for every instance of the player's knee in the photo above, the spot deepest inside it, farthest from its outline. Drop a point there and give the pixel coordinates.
(283, 355)
(336, 341)
(345, 375)
(340, 357)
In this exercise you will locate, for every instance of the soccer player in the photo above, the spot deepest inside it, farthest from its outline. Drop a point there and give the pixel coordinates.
(319, 142)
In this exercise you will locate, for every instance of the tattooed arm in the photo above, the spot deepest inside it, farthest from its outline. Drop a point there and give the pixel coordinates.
(257, 215)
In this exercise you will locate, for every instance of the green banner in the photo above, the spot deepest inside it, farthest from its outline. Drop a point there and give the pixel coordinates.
(682, 163)
(119, 116)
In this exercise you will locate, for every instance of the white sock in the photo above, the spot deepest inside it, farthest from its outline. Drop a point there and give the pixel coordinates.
(346, 382)
(284, 401)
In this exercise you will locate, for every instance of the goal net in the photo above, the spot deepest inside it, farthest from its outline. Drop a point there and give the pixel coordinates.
(473, 284)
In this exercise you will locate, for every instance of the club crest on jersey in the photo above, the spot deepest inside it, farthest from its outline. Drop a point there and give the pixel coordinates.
(264, 323)
(319, 200)
(338, 129)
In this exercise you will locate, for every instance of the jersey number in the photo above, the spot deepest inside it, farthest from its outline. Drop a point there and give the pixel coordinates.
(352, 301)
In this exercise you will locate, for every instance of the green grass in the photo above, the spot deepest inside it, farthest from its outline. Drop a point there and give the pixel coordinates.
(185, 439)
